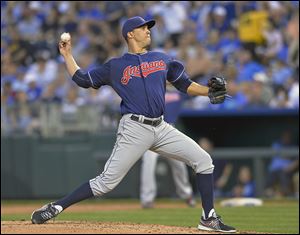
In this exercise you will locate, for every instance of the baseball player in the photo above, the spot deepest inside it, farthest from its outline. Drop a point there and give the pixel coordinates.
(148, 188)
(139, 78)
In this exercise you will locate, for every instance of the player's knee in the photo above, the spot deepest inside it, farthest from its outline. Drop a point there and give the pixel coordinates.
(204, 165)
(100, 187)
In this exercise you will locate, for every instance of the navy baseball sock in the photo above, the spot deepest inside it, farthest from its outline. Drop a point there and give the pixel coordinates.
(205, 186)
(82, 192)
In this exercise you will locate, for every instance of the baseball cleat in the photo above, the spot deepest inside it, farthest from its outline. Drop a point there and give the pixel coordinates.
(44, 214)
(147, 205)
(214, 223)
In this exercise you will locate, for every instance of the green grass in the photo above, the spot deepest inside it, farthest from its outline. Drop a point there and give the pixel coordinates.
(273, 217)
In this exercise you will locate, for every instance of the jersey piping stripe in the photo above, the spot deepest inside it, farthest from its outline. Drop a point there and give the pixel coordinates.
(82, 79)
(178, 76)
(91, 79)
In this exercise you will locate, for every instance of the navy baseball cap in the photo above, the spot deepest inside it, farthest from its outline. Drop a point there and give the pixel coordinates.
(135, 22)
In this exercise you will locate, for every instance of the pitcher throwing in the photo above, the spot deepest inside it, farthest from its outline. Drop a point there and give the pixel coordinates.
(139, 77)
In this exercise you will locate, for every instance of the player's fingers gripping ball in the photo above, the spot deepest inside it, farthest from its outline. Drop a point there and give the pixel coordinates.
(217, 90)
(65, 37)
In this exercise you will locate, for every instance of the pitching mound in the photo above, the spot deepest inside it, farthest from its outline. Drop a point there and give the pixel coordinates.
(84, 227)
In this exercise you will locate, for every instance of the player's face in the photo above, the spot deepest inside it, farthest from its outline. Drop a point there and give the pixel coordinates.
(142, 35)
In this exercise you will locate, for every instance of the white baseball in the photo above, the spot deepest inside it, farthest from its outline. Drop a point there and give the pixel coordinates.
(65, 37)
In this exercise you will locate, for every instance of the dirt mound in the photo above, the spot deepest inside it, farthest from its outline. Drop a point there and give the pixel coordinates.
(85, 227)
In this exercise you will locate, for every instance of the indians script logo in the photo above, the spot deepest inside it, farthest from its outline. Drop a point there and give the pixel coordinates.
(146, 68)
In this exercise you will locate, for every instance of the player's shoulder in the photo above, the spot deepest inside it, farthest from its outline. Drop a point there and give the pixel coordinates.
(114, 59)
(159, 54)
(150, 54)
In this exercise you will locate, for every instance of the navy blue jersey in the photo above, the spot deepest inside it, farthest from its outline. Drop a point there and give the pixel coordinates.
(173, 101)
(140, 81)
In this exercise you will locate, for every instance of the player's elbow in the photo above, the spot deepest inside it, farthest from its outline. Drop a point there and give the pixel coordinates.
(82, 79)
(182, 84)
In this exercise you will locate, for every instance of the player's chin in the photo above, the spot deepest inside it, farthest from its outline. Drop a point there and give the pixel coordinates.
(147, 42)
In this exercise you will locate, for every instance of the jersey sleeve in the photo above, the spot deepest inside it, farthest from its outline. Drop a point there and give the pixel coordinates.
(177, 76)
(175, 70)
(100, 76)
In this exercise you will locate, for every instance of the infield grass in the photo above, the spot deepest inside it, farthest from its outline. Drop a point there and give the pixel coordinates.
(275, 216)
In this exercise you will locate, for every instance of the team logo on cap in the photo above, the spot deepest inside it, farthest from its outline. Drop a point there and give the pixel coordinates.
(146, 68)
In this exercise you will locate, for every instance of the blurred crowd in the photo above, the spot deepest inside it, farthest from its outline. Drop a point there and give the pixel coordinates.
(236, 179)
(254, 45)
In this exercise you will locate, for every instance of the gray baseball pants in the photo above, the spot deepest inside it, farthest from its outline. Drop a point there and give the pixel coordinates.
(135, 138)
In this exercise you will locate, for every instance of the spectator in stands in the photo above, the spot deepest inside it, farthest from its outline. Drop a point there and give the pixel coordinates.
(34, 91)
(246, 66)
(280, 99)
(68, 18)
(19, 48)
(19, 82)
(159, 32)
(199, 19)
(93, 11)
(209, 36)
(277, 11)
(57, 90)
(50, 24)
(274, 42)
(245, 186)
(212, 42)
(219, 20)
(292, 37)
(29, 26)
(228, 44)
(71, 103)
(8, 70)
(280, 73)
(293, 94)
(170, 49)
(200, 64)
(50, 95)
(261, 91)
(44, 70)
(173, 12)
(281, 169)
(250, 26)
(237, 91)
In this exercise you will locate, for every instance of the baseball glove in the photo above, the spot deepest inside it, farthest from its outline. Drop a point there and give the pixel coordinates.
(217, 90)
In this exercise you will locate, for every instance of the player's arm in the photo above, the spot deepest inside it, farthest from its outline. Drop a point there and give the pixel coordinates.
(177, 77)
(79, 76)
(65, 49)
(216, 91)
(196, 89)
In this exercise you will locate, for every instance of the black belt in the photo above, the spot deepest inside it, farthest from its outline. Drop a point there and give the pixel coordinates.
(147, 121)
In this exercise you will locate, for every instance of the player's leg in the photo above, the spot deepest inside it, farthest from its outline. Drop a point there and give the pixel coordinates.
(176, 145)
(148, 182)
(181, 180)
(132, 142)
(172, 143)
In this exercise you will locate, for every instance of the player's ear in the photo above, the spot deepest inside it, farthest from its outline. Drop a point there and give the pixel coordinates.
(130, 34)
